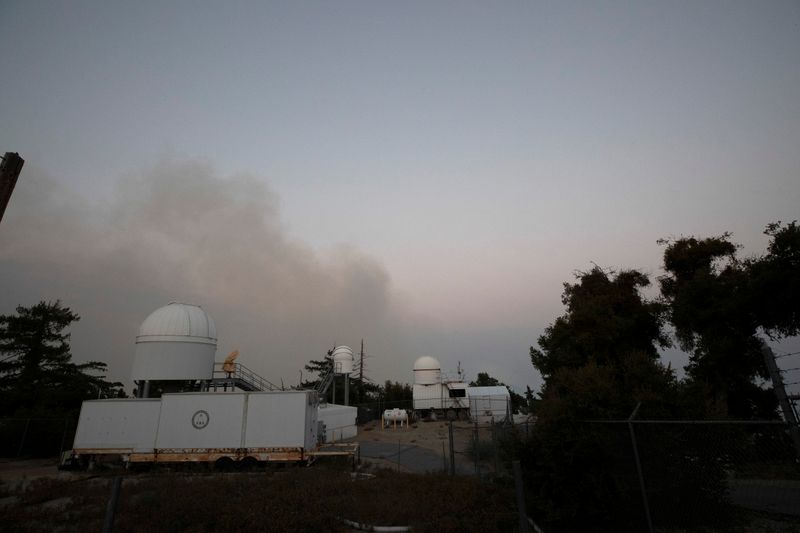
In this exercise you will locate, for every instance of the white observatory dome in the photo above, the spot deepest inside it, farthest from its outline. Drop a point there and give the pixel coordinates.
(343, 360)
(427, 371)
(177, 341)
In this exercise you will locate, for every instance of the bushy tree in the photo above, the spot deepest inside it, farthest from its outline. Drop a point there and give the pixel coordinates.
(775, 281)
(36, 369)
(396, 394)
(606, 318)
(711, 302)
(598, 360)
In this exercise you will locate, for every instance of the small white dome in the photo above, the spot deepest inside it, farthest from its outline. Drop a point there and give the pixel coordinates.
(343, 360)
(427, 363)
(178, 322)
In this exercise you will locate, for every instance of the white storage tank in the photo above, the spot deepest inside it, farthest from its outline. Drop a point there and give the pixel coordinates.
(343, 360)
(427, 371)
(175, 342)
(395, 415)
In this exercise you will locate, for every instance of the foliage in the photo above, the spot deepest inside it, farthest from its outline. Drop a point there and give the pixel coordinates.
(395, 394)
(606, 317)
(775, 281)
(36, 372)
(599, 361)
(717, 305)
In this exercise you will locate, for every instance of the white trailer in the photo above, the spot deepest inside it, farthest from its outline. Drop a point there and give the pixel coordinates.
(200, 427)
(117, 426)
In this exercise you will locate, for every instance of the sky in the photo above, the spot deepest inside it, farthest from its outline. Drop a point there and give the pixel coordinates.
(422, 175)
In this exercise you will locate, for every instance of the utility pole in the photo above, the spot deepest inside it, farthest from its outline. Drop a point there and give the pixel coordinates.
(783, 399)
(10, 167)
(361, 365)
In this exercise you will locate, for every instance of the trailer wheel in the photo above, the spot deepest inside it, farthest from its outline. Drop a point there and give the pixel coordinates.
(463, 415)
(224, 464)
(248, 464)
(451, 414)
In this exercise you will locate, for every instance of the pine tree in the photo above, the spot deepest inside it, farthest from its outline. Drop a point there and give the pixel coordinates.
(36, 372)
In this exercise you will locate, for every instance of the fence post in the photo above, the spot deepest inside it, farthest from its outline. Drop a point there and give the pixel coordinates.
(444, 460)
(639, 468)
(24, 435)
(63, 439)
(520, 490)
(494, 448)
(477, 453)
(111, 508)
(452, 454)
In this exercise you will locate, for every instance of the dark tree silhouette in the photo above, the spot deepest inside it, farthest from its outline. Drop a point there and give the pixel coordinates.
(36, 368)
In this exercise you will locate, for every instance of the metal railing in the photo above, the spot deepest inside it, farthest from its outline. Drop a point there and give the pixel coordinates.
(242, 377)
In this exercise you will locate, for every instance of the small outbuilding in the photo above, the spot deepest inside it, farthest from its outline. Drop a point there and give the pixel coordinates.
(487, 404)
(339, 420)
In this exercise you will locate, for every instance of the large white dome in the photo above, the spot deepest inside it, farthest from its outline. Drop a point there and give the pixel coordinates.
(175, 342)
(179, 322)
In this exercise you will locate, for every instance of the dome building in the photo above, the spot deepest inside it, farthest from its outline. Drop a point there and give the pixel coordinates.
(434, 393)
(427, 371)
(175, 342)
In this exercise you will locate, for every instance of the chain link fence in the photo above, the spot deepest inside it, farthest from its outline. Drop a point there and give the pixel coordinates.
(633, 475)
(648, 475)
(692, 471)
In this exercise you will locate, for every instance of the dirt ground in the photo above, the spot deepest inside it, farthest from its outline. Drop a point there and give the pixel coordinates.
(425, 434)
(14, 471)
(381, 447)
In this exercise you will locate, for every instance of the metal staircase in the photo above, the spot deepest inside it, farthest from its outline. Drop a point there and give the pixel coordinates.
(242, 378)
(323, 385)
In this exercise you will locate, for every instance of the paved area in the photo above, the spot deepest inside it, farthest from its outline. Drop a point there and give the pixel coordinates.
(770, 495)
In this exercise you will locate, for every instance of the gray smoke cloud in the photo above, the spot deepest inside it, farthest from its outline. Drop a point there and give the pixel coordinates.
(181, 232)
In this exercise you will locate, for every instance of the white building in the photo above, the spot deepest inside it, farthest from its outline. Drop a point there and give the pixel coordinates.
(489, 404)
(431, 392)
(175, 342)
(339, 421)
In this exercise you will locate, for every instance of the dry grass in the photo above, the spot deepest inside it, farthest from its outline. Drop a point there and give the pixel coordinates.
(294, 499)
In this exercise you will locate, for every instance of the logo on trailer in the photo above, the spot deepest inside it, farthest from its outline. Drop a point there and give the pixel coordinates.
(200, 419)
